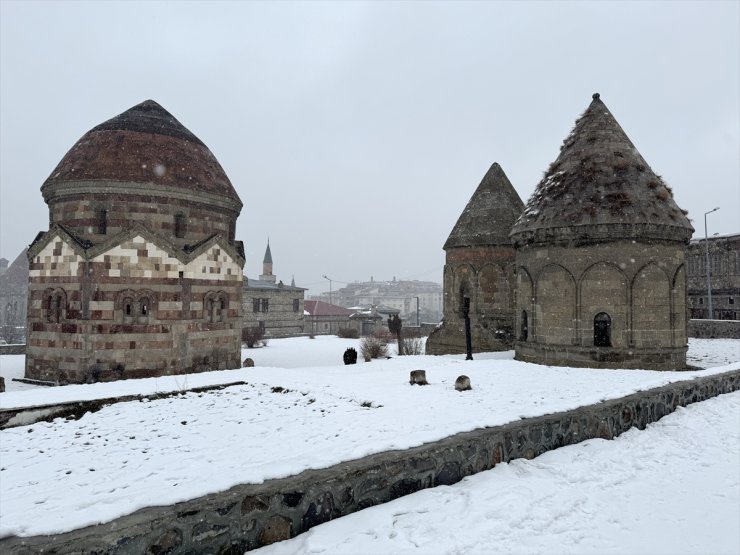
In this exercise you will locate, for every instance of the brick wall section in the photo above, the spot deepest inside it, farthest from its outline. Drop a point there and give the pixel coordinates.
(248, 516)
(96, 337)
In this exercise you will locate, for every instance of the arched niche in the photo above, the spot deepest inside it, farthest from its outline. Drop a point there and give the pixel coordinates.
(555, 294)
(603, 288)
(651, 308)
(493, 289)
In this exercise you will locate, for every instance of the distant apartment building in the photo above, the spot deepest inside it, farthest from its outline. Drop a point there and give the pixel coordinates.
(404, 296)
(724, 273)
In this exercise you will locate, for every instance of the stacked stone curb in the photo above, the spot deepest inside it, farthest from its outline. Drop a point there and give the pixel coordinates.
(251, 515)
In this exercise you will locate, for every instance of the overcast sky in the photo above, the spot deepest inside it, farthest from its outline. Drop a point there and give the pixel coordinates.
(355, 133)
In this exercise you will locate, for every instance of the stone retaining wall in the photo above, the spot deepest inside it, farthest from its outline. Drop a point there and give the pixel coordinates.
(13, 349)
(73, 410)
(248, 516)
(725, 329)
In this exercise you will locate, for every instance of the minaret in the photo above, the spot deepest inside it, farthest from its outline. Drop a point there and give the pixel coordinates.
(267, 266)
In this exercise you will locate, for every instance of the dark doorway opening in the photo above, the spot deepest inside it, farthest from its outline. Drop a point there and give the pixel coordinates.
(524, 332)
(602, 330)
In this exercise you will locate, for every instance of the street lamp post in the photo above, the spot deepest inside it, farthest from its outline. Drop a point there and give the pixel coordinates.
(330, 280)
(706, 262)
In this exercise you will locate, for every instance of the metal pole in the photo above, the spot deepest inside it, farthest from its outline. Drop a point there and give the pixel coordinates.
(418, 322)
(468, 338)
(329, 288)
(706, 262)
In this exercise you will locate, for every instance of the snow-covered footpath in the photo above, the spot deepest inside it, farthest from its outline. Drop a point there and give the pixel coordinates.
(299, 410)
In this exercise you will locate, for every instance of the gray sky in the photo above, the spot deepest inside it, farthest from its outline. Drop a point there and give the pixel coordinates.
(355, 133)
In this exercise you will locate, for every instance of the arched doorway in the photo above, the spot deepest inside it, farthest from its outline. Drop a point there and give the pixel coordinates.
(602, 330)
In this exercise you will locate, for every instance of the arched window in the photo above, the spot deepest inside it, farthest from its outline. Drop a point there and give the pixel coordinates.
(127, 309)
(179, 225)
(602, 330)
(144, 306)
(56, 305)
(222, 311)
(524, 333)
(50, 308)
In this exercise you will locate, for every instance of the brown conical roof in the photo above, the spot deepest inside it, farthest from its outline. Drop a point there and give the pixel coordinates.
(144, 144)
(600, 187)
(489, 214)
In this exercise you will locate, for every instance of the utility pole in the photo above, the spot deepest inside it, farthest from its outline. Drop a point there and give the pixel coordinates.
(418, 322)
(330, 280)
(706, 262)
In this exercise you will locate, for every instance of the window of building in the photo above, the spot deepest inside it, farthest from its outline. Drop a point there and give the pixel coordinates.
(701, 300)
(128, 309)
(260, 305)
(180, 225)
(265, 305)
(296, 305)
(144, 306)
(256, 305)
(602, 330)
(220, 310)
(102, 221)
(56, 305)
(731, 300)
(210, 309)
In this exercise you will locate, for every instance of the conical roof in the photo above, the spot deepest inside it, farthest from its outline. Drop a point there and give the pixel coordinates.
(144, 144)
(489, 214)
(268, 255)
(600, 187)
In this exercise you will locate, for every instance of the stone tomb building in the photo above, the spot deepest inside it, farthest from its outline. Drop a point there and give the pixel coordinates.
(600, 249)
(139, 273)
(479, 270)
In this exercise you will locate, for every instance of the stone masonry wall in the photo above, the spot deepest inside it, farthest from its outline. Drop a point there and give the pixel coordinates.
(486, 276)
(134, 310)
(641, 289)
(248, 516)
(727, 329)
(280, 319)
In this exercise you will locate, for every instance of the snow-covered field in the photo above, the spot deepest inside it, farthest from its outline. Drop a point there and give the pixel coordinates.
(63, 475)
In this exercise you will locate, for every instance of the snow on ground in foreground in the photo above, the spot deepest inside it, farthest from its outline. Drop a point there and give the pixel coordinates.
(138, 454)
(673, 488)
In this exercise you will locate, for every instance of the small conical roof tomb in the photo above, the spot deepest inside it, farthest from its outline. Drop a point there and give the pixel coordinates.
(600, 188)
(489, 214)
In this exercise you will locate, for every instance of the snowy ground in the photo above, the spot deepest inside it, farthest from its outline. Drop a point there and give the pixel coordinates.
(137, 454)
(673, 488)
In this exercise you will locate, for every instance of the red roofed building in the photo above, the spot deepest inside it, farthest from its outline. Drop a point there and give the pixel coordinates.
(325, 318)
